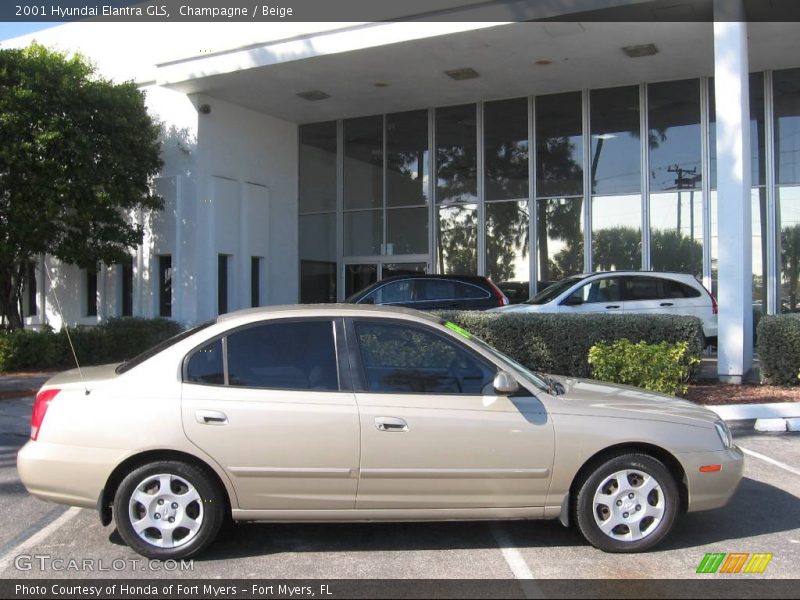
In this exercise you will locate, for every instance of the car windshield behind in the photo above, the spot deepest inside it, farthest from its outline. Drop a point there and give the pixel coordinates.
(552, 292)
(150, 352)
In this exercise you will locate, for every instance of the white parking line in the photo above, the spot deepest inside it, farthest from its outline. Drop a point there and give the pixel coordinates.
(37, 537)
(516, 563)
(771, 461)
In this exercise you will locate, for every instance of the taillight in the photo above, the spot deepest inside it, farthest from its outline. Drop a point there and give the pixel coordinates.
(714, 307)
(502, 300)
(40, 406)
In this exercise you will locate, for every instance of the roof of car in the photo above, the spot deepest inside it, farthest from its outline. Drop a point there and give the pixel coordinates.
(330, 309)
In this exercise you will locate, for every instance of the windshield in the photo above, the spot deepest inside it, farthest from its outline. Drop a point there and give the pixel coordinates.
(553, 291)
(150, 352)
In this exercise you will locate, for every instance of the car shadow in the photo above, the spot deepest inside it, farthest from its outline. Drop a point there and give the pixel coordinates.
(743, 517)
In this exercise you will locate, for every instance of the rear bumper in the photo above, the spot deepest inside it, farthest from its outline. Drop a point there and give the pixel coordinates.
(66, 474)
(712, 489)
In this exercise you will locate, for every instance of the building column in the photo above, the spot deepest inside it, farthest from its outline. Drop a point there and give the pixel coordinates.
(731, 84)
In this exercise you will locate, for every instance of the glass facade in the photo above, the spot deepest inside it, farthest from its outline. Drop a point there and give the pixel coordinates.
(534, 189)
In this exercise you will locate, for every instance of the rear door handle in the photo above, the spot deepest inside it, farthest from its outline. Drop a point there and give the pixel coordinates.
(211, 417)
(391, 424)
(667, 304)
(613, 306)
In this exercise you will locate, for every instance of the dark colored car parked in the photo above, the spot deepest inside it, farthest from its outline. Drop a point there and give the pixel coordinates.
(429, 292)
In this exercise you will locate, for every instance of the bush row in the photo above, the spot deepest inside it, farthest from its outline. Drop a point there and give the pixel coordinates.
(779, 349)
(113, 341)
(560, 344)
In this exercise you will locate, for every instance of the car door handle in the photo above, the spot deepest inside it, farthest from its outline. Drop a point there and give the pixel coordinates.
(613, 306)
(666, 304)
(211, 417)
(391, 424)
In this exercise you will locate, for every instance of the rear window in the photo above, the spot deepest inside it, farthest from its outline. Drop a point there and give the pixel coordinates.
(139, 359)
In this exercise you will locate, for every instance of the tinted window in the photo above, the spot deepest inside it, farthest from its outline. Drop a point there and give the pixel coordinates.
(206, 365)
(470, 292)
(676, 289)
(397, 291)
(554, 290)
(436, 289)
(642, 288)
(600, 290)
(399, 358)
(289, 356)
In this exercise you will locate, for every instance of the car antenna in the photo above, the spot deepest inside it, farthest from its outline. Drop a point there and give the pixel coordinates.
(64, 324)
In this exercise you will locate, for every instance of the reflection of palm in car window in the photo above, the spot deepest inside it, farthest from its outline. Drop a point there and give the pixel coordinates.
(404, 359)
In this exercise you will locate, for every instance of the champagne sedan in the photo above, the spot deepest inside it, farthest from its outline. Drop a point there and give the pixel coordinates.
(364, 413)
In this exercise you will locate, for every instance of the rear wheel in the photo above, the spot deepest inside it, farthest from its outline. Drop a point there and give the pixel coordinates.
(168, 509)
(627, 504)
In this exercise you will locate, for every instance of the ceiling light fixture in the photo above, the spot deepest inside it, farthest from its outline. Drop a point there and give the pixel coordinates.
(314, 95)
(462, 74)
(640, 50)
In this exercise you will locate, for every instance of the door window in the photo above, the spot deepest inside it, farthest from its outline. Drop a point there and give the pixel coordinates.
(392, 293)
(599, 290)
(206, 365)
(294, 355)
(643, 288)
(400, 358)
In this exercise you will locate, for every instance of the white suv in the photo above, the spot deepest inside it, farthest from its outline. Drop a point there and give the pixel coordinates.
(628, 292)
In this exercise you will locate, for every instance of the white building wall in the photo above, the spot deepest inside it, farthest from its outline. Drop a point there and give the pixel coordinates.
(247, 203)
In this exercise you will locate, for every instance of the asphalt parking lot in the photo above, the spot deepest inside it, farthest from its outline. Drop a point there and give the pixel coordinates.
(763, 517)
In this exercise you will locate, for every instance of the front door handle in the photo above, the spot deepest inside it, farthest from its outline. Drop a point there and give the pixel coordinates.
(613, 306)
(666, 304)
(211, 417)
(391, 424)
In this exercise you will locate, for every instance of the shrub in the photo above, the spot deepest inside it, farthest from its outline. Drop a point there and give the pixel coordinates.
(113, 341)
(779, 349)
(660, 367)
(560, 343)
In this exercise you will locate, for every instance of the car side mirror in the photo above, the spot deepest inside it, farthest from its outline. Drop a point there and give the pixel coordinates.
(573, 301)
(505, 384)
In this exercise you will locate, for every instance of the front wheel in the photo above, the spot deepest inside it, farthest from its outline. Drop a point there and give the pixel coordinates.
(628, 504)
(168, 510)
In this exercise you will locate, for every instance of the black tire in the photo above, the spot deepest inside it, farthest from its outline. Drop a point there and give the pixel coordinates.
(209, 510)
(587, 513)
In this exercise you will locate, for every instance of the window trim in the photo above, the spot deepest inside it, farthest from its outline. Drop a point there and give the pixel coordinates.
(342, 365)
(357, 365)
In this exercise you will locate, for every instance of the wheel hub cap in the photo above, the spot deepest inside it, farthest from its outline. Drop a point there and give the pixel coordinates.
(166, 510)
(628, 505)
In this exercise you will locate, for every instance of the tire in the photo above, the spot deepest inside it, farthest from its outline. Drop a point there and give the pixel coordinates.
(173, 523)
(629, 503)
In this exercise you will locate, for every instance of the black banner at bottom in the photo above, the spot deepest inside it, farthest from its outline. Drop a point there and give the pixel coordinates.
(264, 589)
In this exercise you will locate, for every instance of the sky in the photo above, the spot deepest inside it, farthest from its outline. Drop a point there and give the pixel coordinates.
(12, 30)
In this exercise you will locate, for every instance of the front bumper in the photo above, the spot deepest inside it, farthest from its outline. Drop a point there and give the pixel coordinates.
(66, 474)
(712, 489)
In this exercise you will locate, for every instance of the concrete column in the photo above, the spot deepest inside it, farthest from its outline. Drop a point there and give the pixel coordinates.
(731, 83)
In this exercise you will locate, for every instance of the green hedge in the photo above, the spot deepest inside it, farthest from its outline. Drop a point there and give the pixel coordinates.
(560, 344)
(779, 349)
(660, 367)
(113, 341)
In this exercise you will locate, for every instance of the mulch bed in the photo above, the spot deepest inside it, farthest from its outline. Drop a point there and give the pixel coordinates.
(724, 393)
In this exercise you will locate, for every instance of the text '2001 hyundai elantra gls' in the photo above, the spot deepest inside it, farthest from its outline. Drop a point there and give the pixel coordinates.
(364, 413)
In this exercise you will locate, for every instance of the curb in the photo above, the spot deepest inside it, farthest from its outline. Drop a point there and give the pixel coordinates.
(773, 417)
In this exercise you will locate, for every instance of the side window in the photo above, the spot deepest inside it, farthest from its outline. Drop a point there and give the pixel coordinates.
(676, 289)
(599, 290)
(401, 358)
(205, 365)
(393, 293)
(470, 292)
(435, 289)
(294, 355)
(643, 288)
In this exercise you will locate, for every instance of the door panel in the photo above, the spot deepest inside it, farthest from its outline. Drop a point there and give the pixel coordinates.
(456, 451)
(282, 449)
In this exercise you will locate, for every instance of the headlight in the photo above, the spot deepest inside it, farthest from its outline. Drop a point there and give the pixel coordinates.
(724, 434)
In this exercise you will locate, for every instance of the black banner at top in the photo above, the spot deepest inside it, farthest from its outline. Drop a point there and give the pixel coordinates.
(394, 10)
